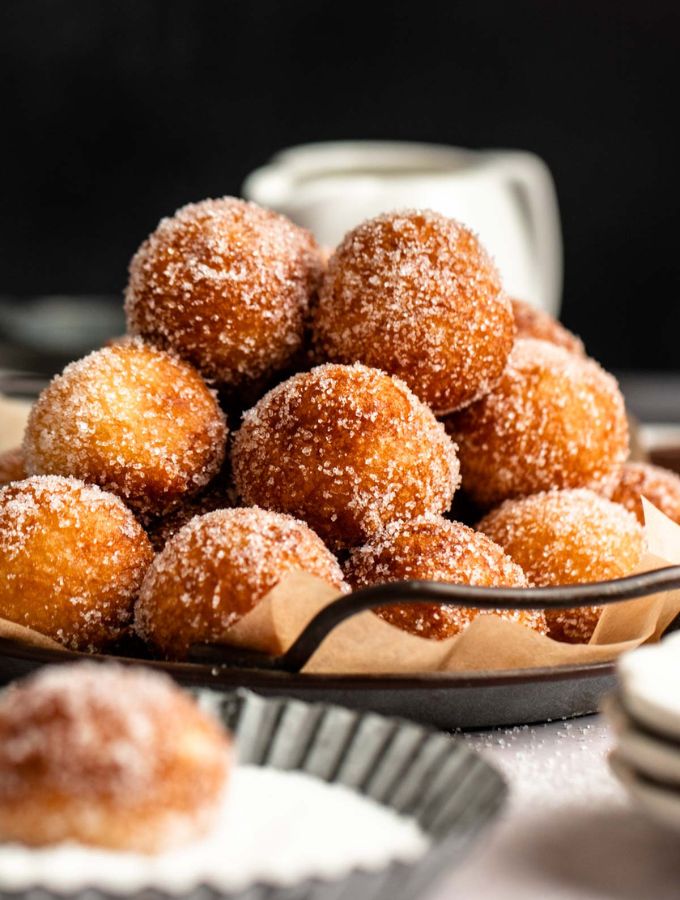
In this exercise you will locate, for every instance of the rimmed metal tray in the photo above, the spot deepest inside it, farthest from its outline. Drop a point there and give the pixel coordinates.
(447, 701)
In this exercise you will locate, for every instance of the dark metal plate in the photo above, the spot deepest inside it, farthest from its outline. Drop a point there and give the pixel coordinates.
(445, 701)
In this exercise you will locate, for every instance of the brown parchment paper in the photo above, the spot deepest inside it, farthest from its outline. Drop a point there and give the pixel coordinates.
(28, 636)
(365, 644)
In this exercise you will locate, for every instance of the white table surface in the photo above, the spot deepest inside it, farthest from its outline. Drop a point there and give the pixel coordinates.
(568, 829)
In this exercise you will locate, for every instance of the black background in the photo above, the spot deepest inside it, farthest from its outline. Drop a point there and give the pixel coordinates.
(114, 113)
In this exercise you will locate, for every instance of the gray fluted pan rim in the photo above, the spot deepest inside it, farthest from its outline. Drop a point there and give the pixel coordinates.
(450, 790)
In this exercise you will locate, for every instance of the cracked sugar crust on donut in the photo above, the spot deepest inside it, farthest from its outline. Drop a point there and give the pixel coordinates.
(227, 285)
(660, 486)
(554, 420)
(107, 755)
(217, 568)
(532, 322)
(72, 559)
(568, 537)
(347, 449)
(432, 548)
(415, 294)
(133, 419)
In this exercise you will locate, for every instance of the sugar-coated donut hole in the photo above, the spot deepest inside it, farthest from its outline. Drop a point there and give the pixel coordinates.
(431, 548)
(554, 420)
(12, 465)
(109, 756)
(568, 537)
(226, 284)
(415, 294)
(230, 288)
(133, 419)
(218, 568)
(347, 449)
(660, 486)
(532, 322)
(72, 559)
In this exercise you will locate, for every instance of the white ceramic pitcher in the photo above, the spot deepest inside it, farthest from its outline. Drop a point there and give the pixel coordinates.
(506, 196)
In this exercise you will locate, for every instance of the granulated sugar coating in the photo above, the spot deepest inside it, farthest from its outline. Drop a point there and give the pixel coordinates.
(109, 756)
(660, 486)
(217, 568)
(436, 549)
(227, 285)
(72, 558)
(275, 827)
(134, 420)
(568, 537)
(346, 448)
(415, 294)
(535, 323)
(12, 465)
(554, 420)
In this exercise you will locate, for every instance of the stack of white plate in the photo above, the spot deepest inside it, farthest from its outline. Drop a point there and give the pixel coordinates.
(645, 715)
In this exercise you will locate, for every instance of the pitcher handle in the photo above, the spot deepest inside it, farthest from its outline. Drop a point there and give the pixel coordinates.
(532, 182)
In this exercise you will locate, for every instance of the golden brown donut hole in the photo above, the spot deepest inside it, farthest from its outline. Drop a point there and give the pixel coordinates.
(554, 420)
(72, 559)
(347, 449)
(660, 486)
(134, 420)
(568, 537)
(532, 322)
(218, 568)
(109, 756)
(227, 285)
(415, 294)
(431, 548)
